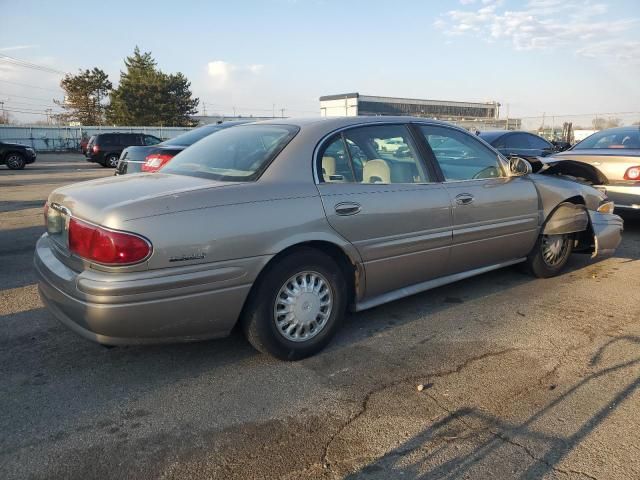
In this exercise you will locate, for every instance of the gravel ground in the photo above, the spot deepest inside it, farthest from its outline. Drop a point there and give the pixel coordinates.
(522, 378)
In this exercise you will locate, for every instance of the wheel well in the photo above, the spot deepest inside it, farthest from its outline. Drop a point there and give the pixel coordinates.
(347, 267)
(584, 242)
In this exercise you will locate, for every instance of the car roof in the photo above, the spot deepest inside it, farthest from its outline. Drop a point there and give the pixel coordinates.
(338, 122)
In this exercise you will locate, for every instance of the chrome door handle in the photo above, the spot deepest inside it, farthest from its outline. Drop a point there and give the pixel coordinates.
(464, 199)
(347, 208)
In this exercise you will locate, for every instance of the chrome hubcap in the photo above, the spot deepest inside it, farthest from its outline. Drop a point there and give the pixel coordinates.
(113, 161)
(13, 161)
(554, 248)
(303, 306)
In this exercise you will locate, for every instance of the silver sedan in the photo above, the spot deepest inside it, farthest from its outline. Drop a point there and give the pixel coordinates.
(283, 225)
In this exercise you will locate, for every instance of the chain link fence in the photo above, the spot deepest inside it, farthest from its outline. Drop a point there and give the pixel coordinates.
(67, 139)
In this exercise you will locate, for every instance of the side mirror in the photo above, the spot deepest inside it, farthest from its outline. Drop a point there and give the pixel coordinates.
(519, 166)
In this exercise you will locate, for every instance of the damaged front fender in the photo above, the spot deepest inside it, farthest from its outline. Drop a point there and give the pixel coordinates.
(567, 218)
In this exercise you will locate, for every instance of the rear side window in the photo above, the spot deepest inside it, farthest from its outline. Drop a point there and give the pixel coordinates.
(538, 142)
(233, 154)
(107, 140)
(150, 140)
(381, 154)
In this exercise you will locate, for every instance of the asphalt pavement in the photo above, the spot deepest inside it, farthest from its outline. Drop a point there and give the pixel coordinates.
(520, 378)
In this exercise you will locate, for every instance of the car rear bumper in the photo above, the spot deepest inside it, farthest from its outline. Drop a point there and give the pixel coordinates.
(607, 232)
(624, 195)
(178, 304)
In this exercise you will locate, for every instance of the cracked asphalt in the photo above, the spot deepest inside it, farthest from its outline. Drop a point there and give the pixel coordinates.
(523, 378)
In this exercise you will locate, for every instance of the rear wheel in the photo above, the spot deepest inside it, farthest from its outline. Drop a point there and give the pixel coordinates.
(297, 306)
(549, 255)
(111, 160)
(15, 161)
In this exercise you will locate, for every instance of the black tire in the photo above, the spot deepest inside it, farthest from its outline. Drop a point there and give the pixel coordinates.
(15, 161)
(259, 316)
(111, 160)
(539, 265)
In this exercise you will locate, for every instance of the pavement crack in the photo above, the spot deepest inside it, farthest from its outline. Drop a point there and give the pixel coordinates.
(525, 449)
(364, 404)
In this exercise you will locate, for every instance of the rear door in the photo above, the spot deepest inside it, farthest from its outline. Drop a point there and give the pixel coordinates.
(386, 203)
(495, 216)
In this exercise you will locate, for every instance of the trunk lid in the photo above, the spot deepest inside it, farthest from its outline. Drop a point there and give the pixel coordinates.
(112, 201)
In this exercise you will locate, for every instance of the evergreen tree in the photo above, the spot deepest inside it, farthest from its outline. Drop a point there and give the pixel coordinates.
(147, 96)
(85, 94)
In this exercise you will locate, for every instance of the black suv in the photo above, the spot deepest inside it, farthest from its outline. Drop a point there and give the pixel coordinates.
(105, 148)
(16, 156)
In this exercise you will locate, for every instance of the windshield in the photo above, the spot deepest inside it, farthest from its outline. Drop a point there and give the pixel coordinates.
(233, 154)
(611, 139)
(192, 136)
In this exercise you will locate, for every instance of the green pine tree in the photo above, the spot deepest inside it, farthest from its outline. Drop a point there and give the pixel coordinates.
(147, 96)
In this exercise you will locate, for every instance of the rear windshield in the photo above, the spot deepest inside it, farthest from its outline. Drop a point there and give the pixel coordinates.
(611, 139)
(233, 154)
(192, 136)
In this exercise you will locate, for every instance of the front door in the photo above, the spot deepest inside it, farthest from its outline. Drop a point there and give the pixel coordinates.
(495, 216)
(378, 194)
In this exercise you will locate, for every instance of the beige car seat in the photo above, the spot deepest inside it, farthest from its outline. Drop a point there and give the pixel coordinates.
(328, 168)
(376, 171)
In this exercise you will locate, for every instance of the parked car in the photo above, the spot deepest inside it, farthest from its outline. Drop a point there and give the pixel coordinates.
(152, 158)
(105, 148)
(15, 156)
(614, 152)
(279, 226)
(518, 144)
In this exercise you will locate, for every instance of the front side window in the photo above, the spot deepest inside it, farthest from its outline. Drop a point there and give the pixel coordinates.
(233, 154)
(460, 155)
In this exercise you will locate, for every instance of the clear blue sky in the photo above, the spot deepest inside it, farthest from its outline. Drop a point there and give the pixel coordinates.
(538, 56)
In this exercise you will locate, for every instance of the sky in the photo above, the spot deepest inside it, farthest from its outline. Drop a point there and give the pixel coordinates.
(536, 56)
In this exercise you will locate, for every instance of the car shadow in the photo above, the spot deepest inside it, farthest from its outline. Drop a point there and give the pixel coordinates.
(550, 449)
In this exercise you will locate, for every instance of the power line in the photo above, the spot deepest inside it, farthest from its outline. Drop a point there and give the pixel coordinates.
(29, 86)
(25, 96)
(25, 64)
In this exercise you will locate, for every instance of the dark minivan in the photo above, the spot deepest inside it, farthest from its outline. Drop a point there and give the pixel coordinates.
(105, 148)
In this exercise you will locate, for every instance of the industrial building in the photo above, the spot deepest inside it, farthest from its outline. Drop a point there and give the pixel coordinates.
(468, 114)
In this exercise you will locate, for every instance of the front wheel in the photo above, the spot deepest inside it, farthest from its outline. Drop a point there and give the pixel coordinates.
(15, 161)
(297, 306)
(549, 255)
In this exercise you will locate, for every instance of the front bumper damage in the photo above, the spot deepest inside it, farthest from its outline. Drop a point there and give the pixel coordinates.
(607, 232)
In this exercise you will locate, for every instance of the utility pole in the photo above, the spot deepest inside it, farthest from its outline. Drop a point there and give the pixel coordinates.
(204, 109)
(282, 112)
(234, 111)
(273, 111)
(48, 112)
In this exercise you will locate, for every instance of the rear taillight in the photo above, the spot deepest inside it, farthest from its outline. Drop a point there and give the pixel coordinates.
(95, 149)
(632, 173)
(155, 161)
(106, 246)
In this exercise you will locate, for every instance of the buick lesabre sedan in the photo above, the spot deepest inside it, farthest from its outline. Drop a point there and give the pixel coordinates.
(283, 225)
